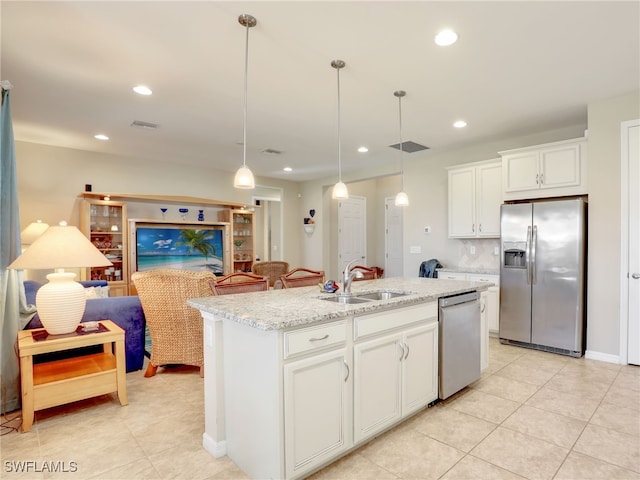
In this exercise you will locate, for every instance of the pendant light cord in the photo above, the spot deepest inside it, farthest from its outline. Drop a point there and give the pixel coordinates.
(339, 132)
(401, 156)
(246, 76)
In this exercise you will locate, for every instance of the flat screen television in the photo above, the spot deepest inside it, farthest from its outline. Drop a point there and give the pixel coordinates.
(184, 246)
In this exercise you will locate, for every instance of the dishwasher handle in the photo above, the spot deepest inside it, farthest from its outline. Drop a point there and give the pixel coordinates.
(458, 299)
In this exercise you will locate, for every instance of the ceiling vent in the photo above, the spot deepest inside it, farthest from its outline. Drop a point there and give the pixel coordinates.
(271, 151)
(145, 125)
(410, 147)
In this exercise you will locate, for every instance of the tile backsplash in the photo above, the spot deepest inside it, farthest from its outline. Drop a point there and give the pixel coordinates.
(484, 253)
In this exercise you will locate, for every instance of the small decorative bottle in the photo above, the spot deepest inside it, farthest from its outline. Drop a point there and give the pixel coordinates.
(201, 215)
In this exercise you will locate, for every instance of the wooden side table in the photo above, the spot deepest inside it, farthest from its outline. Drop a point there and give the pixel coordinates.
(63, 381)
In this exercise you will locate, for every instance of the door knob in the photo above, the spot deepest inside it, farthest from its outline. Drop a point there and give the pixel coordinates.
(636, 276)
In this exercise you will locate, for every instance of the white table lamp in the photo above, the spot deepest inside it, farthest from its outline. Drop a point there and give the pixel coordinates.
(61, 302)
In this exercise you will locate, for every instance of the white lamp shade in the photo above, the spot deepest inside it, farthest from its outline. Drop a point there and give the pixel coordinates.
(244, 178)
(402, 200)
(32, 232)
(340, 191)
(61, 246)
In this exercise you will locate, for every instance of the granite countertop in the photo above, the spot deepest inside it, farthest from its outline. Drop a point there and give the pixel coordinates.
(279, 309)
(481, 270)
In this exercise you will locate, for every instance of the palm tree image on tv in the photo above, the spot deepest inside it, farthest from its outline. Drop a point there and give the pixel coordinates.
(181, 248)
(197, 240)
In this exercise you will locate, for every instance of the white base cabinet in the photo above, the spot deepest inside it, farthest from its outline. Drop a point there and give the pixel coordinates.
(282, 404)
(317, 410)
(395, 374)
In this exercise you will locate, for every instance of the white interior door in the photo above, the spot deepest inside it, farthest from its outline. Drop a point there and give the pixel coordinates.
(352, 231)
(393, 238)
(631, 150)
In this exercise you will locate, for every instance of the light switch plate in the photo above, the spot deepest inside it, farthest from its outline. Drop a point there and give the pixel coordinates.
(472, 249)
(496, 250)
(427, 230)
(415, 249)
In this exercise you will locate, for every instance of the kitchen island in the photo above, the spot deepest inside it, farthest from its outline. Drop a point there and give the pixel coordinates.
(294, 381)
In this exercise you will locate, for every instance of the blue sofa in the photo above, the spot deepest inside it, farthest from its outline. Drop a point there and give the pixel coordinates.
(126, 312)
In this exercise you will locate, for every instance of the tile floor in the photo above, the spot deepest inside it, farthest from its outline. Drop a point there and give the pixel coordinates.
(533, 415)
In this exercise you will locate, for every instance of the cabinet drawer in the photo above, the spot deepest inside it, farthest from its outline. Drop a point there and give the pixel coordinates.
(380, 322)
(317, 337)
(452, 276)
(479, 277)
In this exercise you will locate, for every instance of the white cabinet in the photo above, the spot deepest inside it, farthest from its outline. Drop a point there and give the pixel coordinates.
(395, 367)
(549, 170)
(475, 195)
(317, 410)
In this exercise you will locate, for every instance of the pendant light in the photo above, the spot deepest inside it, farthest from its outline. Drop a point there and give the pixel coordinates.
(340, 191)
(244, 177)
(402, 200)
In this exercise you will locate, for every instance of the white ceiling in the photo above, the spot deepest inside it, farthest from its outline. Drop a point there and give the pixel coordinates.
(518, 68)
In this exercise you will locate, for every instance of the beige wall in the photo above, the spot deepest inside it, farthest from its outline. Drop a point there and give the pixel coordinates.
(603, 293)
(50, 179)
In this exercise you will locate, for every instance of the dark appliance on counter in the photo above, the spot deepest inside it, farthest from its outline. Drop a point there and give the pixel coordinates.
(459, 342)
(542, 275)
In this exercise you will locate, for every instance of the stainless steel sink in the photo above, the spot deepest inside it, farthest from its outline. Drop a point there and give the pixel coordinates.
(381, 295)
(346, 299)
(365, 297)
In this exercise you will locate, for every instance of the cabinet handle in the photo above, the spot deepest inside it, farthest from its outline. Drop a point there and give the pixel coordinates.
(482, 307)
(407, 347)
(318, 339)
(473, 227)
(480, 227)
(537, 177)
(346, 365)
(635, 276)
(401, 345)
(541, 178)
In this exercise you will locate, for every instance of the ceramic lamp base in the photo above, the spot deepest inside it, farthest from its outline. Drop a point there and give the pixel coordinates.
(61, 303)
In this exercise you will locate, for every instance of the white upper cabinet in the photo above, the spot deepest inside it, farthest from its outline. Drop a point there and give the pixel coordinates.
(549, 170)
(475, 195)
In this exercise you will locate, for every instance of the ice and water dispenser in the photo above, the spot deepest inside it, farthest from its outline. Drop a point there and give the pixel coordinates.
(514, 254)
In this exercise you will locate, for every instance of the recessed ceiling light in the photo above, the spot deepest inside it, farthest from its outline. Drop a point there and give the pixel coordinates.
(445, 38)
(460, 124)
(363, 149)
(288, 169)
(142, 90)
(100, 136)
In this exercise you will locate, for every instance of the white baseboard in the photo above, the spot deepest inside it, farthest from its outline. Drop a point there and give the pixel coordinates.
(217, 449)
(602, 357)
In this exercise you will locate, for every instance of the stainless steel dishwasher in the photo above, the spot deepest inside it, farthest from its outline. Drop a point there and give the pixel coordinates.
(459, 342)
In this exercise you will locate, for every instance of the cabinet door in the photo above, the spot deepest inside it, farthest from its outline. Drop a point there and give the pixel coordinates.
(560, 166)
(520, 171)
(493, 309)
(484, 333)
(317, 410)
(420, 367)
(462, 203)
(377, 383)
(488, 199)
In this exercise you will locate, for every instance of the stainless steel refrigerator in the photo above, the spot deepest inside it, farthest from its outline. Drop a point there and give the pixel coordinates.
(543, 274)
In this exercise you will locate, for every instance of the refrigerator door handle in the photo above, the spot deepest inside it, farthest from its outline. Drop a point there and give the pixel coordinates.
(527, 254)
(534, 240)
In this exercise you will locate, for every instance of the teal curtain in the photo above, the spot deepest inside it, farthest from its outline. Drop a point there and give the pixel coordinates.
(9, 251)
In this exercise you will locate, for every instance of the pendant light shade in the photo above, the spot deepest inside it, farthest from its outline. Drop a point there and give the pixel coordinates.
(244, 177)
(340, 191)
(402, 200)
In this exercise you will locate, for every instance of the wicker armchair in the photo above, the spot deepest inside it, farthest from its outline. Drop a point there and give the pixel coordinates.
(272, 269)
(239, 283)
(302, 277)
(175, 327)
(368, 273)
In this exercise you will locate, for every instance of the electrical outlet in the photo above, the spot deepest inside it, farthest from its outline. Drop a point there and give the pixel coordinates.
(496, 250)
(472, 250)
(427, 230)
(415, 249)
